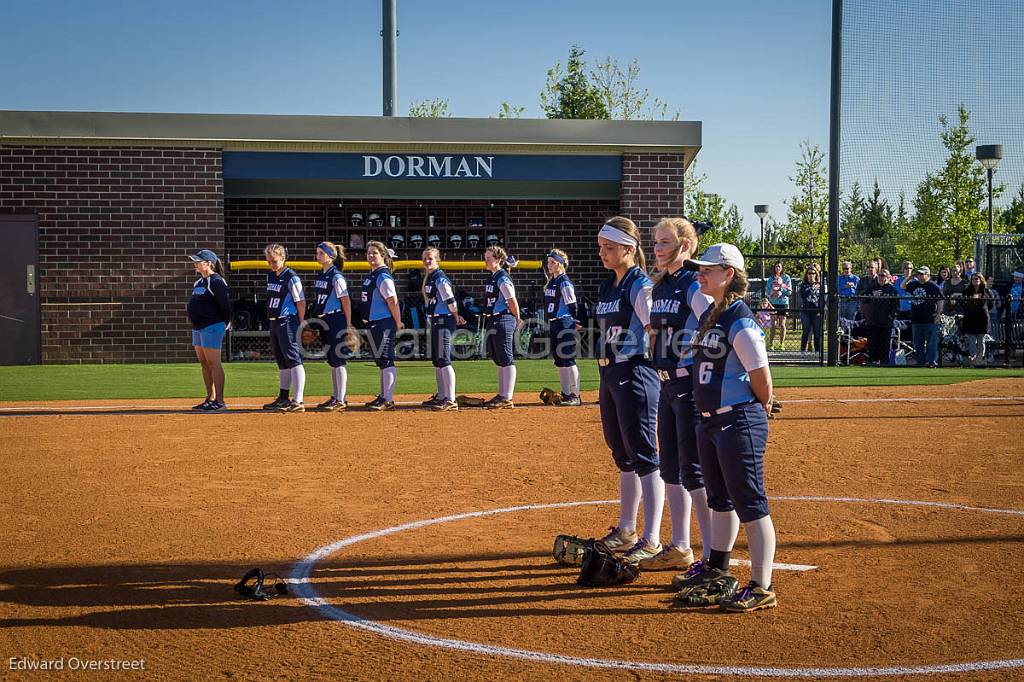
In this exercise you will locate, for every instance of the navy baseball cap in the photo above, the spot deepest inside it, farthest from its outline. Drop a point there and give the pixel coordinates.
(205, 254)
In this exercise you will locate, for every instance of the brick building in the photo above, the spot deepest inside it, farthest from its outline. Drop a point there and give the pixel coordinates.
(99, 210)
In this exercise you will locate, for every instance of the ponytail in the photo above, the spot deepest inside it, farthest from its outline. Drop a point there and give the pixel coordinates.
(629, 227)
(736, 290)
(218, 267)
(426, 273)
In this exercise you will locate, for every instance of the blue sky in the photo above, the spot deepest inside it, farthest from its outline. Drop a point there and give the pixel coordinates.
(755, 73)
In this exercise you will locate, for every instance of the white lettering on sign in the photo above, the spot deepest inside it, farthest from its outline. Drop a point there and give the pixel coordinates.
(428, 166)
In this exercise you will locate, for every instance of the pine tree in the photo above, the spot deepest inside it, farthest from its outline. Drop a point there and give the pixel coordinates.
(808, 209)
(571, 94)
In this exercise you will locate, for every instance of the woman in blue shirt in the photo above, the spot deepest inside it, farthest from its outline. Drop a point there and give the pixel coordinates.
(380, 306)
(778, 289)
(503, 318)
(443, 312)
(561, 311)
(333, 307)
(209, 311)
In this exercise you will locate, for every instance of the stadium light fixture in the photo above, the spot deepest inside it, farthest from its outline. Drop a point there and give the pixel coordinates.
(989, 156)
(761, 211)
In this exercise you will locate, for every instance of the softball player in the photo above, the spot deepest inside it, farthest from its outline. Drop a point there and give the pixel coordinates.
(380, 305)
(286, 309)
(563, 318)
(676, 305)
(502, 314)
(334, 308)
(629, 388)
(209, 311)
(443, 312)
(732, 391)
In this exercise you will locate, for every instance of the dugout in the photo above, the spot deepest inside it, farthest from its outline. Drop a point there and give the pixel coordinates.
(99, 210)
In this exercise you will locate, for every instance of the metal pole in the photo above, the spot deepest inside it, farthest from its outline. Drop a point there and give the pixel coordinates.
(762, 252)
(833, 182)
(389, 34)
(990, 230)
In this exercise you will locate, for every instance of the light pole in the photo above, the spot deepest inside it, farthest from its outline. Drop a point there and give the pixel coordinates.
(989, 155)
(761, 210)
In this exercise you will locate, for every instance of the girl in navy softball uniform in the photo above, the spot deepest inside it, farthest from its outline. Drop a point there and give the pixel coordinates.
(443, 313)
(209, 311)
(676, 305)
(502, 313)
(286, 309)
(732, 391)
(562, 313)
(629, 389)
(380, 309)
(333, 307)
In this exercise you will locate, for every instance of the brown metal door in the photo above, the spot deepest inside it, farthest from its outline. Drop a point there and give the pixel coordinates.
(19, 291)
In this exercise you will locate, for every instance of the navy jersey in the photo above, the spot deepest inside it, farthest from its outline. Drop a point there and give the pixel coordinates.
(439, 293)
(676, 305)
(377, 286)
(495, 302)
(560, 298)
(723, 358)
(210, 302)
(283, 290)
(622, 330)
(330, 288)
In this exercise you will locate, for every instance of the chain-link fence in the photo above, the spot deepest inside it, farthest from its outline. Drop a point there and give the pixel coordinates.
(787, 294)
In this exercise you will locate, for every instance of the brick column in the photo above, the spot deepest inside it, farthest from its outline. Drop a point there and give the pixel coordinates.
(652, 187)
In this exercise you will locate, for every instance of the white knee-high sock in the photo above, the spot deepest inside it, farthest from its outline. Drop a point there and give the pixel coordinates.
(299, 382)
(725, 526)
(501, 381)
(449, 375)
(679, 512)
(699, 497)
(629, 499)
(285, 379)
(761, 540)
(388, 378)
(574, 372)
(653, 495)
(340, 378)
(510, 381)
(565, 379)
(439, 379)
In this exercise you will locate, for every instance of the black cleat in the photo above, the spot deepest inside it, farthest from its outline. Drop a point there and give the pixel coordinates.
(277, 404)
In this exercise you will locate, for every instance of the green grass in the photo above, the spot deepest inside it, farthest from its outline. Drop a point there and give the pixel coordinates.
(93, 382)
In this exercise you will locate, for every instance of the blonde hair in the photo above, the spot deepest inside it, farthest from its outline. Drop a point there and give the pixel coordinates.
(735, 291)
(561, 254)
(339, 251)
(629, 227)
(426, 273)
(276, 250)
(383, 250)
(683, 229)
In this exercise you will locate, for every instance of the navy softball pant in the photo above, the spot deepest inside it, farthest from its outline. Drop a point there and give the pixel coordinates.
(441, 329)
(382, 341)
(562, 333)
(335, 351)
(500, 332)
(677, 434)
(731, 448)
(284, 342)
(629, 413)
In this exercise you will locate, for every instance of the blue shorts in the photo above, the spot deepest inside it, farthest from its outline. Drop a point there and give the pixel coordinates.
(335, 351)
(562, 333)
(382, 341)
(441, 329)
(284, 342)
(731, 448)
(211, 336)
(677, 434)
(629, 413)
(500, 332)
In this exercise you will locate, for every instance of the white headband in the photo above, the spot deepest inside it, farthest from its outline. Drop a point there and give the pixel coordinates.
(614, 234)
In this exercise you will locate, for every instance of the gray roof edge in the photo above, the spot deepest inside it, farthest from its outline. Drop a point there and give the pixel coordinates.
(351, 129)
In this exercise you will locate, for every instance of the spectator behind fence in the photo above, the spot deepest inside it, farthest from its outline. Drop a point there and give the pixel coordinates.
(846, 290)
(975, 326)
(969, 267)
(1016, 311)
(765, 313)
(778, 289)
(881, 300)
(943, 276)
(810, 313)
(924, 316)
(953, 289)
(995, 311)
(868, 281)
(901, 284)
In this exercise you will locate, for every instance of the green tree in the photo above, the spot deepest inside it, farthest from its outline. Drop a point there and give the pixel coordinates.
(808, 209)
(1012, 217)
(510, 111)
(429, 108)
(570, 93)
(951, 204)
(622, 96)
